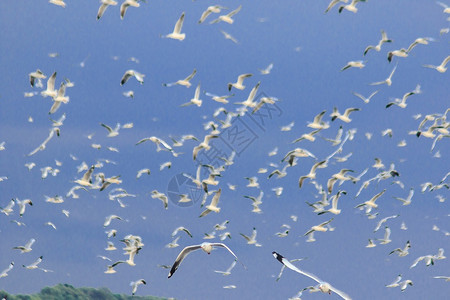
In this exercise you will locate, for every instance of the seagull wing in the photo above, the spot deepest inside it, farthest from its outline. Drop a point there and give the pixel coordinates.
(205, 14)
(229, 250)
(235, 11)
(180, 258)
(289, 265)
(125, 77)
(179, 24)
(191, 75)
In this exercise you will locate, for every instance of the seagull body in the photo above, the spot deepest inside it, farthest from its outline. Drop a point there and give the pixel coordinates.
(176, 34)
(211, 9)
(4, 273)
(58, 3)
(321, 227)
(395, 283)
(297, 152)
(142, 172)
(50, 91)
(239, 83)
(371, 203)
(104, 5)
(267, 70)
(174, 243)
(402, 102)
(228, 271)
(207, 247)
(317, 123)
(135, 284)
(386, 239)
(354, 64)
(22, 205)
(323, 286)
(213, 205)
(220, 99)
(109, 218)
(446, 278)
(312, 173)
(160, 196)
(366, 100)
(384, 39)
(229, 37)
(402, 252)
(9, 208)
(27, 247)
(251, 240)
(382, 221)
(34, 265)
(196, 100)
(334, 201)
(158, 143)
(442, 67)
(399, 53)
(371, 244)
(308, 136)
(344, 117)
(132, 73)
(36, 75)
(86, 179)
(228, 17)
(184, 82)
(112, 132)
(59, 98)
(408, 199)
(351, 7)
(387, 81)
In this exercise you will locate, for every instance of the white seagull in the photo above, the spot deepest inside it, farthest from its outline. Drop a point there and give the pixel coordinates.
(36, 75)
(228, 271)
(442, 67)
(228, 17)
(366, 100)
(132, 73)
(239, 83)
(211, 9)
(135, 284)
(4, 273)
(213, 205)
(176, 34)
(388, 80)
(384, 39)
(196, 100)
(207, 247)
(50, 91)
(354, 64)
(323, 286)
(27, 247)
(185, 82)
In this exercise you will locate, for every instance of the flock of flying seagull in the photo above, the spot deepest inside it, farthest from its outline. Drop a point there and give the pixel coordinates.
(432, 126)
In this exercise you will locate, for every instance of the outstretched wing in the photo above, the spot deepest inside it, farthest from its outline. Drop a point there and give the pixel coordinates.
(180, 258)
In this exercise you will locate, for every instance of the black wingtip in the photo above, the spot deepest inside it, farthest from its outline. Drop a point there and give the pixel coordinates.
(278, 256)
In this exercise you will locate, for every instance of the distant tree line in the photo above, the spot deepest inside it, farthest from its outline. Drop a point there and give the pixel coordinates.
(68, 292)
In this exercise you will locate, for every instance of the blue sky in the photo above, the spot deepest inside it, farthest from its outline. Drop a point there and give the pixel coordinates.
(308, 49)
